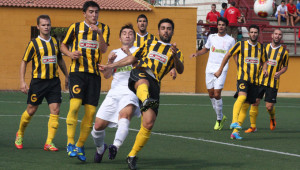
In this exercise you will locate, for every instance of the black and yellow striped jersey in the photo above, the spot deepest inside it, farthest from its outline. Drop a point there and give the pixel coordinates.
(249, 58)
(277, 58)
(81, 38)
(44, 55)
(139, 39)
(156, 56)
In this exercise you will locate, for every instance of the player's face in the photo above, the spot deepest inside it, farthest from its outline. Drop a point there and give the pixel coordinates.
(165, 32)
(221, 27)
(44, 26)
(142, 24)
(127, 37)
(213, 8)
(282, 4)
(253, 34)
(277, 36)
(91, 15)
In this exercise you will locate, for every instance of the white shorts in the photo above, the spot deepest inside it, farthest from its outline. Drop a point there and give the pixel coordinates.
(212, 82)
(112, 105)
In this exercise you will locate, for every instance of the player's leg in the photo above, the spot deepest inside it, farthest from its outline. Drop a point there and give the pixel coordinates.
(278, 16)
(98, 134)
(271, 109)
(52, 126)
(253, 115)
(209, 80)
(270, 99)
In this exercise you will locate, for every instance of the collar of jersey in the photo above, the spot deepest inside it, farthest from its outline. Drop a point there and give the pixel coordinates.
(274, 47)
(142, 35)
(251, 44)
(44, 39)
(164, 43)
(89, 25)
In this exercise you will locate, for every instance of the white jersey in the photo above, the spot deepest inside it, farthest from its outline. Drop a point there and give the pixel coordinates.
(218, 46)
(119, 84)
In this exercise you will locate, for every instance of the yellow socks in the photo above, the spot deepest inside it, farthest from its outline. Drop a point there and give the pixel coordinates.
(142, 92)
(86, 124)
(140, 141)
(253, 115)
(72, 118)
(243, 113)
(237, 107)
(272, 113)
(25, 119)
(52, 127)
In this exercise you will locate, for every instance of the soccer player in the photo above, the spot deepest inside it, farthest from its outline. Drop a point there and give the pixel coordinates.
(250, 55)
(45, 55)
(120, 103)
(278, 58)
(217, 45)
(157, 58)
(88, 41)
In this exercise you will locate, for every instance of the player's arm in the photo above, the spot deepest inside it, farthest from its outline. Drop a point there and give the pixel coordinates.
(23, 86)
(102, 44)
(280, 72)
(224, 61)
(111, 58)
(64, 47)
(177, 62)
(199, 53)
(62, 65)
(130, 59)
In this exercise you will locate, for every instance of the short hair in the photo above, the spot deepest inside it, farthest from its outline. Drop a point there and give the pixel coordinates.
(254, 26)
(223, 20)
(88, 4)
(42, 17)
(277, 29)
(213, 5)
(224, 5)
(127, 26)
(232, 3)
(283, 1)
(167, 20)
(142, 16)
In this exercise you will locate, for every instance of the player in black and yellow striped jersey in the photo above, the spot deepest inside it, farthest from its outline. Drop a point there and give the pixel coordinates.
(278, 58)
(44, 53)
(142, 34)
(88, 41)
(250, 55)
(157, 58)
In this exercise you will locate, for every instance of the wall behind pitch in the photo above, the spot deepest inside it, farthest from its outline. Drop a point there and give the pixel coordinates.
(15, 35)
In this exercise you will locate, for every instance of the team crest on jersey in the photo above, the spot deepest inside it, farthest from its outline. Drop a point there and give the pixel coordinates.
(76, 89)
(272, 62)
(123, 69)
(33, 98)
(213, 49)
(142, 75)
(242, 86)
(88, 44)
(251, 60)
(49, 59)
(158, 56)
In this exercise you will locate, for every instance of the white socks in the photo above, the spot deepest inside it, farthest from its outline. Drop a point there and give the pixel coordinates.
(98, 137)
(122, 132)
(213, 103)
(218, 108)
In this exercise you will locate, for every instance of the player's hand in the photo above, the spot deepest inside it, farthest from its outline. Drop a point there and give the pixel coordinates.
(24, 88)
(193, 55)
(265, 72)
(174, 49)
(173, 74)
(75, 55)
(218, 73)
(126, 51)
(111, 58)
(104, 68)
(277, 75)
(95, 28)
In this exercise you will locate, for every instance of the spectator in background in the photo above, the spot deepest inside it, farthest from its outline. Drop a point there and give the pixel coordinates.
(232, 14)
(202, 35)
(212, 18)
(282, 13)
(292, 12)
(298, 8)
(224, 7)
(274, 5)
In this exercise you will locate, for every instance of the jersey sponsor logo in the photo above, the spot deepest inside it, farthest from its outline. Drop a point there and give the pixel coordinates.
(123, 69)
(272, 62)
(251, 60)
(88, 44)
(49, 59)
(76, 89)
(142, 75)
(213, 49)
(158, 56)
(242, 86)
(33, 98)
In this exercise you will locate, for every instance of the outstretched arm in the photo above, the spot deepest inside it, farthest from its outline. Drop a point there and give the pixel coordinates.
(177, 63)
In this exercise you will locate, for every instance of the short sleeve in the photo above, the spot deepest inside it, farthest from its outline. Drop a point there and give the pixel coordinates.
(235, 49)
(106, 34)
(30, 52)
(69, 35)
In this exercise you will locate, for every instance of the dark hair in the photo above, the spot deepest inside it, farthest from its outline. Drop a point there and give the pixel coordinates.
(42, 17)
(127, 26)
(232, 3)
(88, 4)
(223, 20)
(224, 5)
(254, 26)
(142, 16)
(213, 5)
(283, 1)
(167, 20)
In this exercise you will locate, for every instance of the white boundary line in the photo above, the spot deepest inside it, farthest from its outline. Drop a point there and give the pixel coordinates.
(192, 138)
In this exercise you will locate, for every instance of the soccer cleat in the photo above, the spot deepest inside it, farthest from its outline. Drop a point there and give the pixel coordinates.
(81, 153)
(219, 125)
(272, 124)
(235, 126)
(98, 157)
(19, 141)
(149, 103)
(50, 147)
(131, 161)
(71, 150)
(235, 135)
(112, 152)
(251, 130)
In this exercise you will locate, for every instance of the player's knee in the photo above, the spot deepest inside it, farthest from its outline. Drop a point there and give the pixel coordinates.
(31, 109)
(269, 108)
(211, 95)
(99, 126)
(148, 125)
(217, 96)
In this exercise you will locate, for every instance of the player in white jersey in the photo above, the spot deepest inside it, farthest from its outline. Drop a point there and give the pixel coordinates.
(120, 104)
(218, 45)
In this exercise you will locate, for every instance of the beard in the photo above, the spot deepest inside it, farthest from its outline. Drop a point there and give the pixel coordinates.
(166, 40)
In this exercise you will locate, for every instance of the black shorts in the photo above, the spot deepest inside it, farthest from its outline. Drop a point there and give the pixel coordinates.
(85, 86)
(270, 93)
(249, 88)
(44, 88)
(154, 88)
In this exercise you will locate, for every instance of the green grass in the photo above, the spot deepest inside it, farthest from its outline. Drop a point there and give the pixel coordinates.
(183, 138)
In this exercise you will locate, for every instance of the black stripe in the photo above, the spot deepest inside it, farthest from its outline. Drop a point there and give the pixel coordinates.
(268, 56)
(108, 34)
(242, 59)
(54, 53)
(30, 53)
(249, 64)
(165, 51)
(234, 48)
(138, 40)
(38, 59)
(70, 38)
(85, 60)
(94, 38)
(76, 62)
(46, 53)
(271, 67)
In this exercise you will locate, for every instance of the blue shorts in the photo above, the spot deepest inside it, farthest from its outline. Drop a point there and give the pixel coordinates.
(282, 18)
